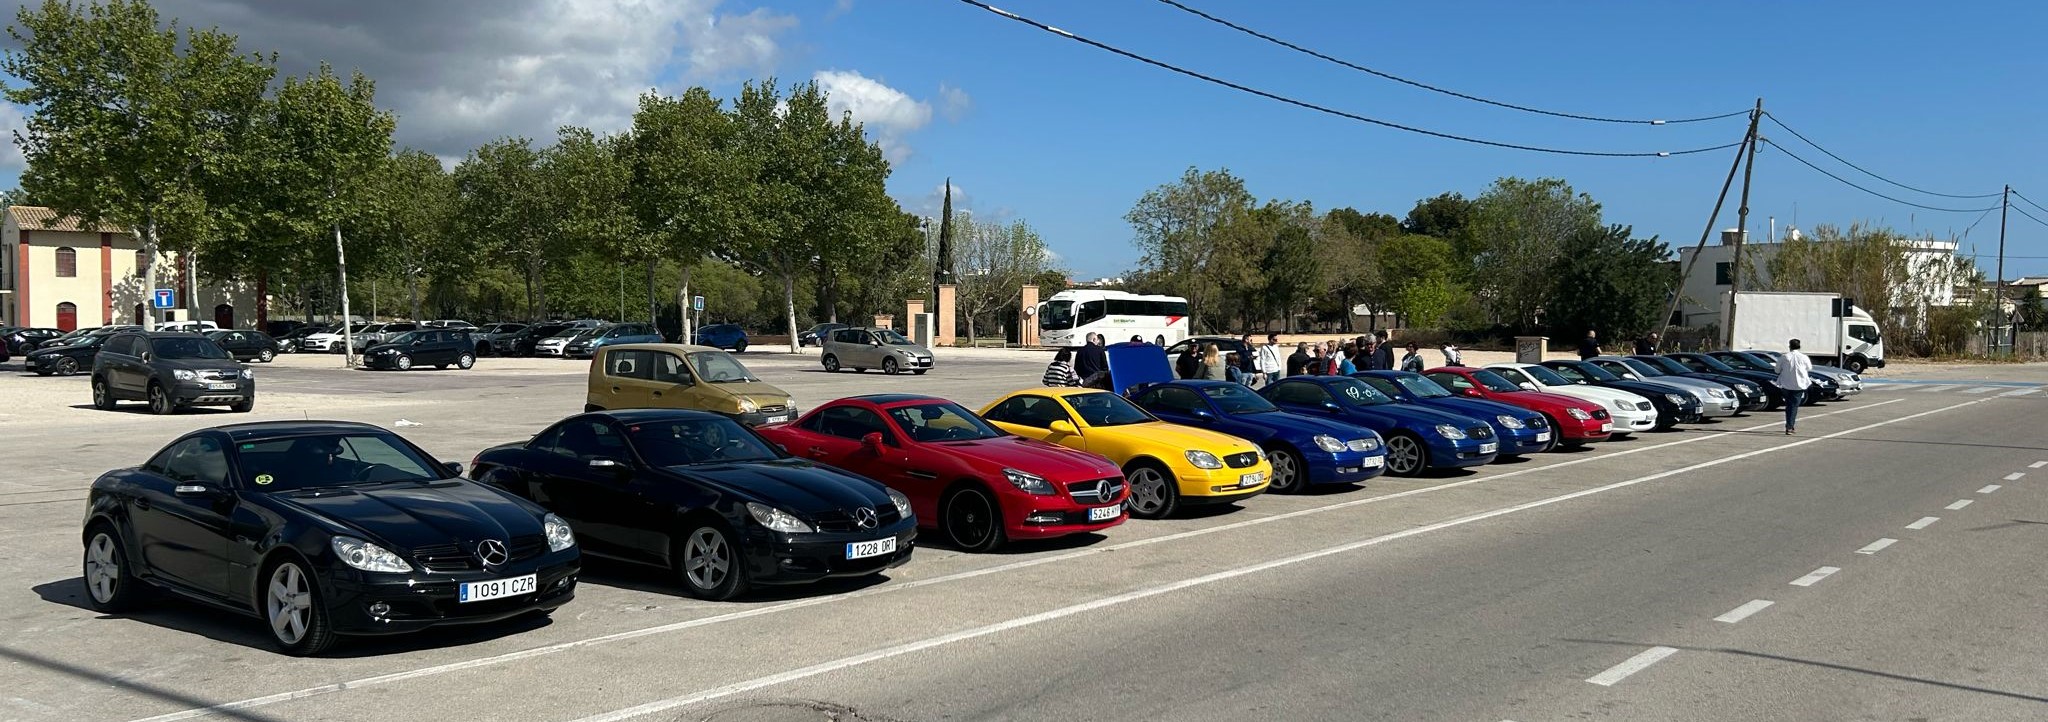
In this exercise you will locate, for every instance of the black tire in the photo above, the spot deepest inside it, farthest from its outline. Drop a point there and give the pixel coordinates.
(403, 362)
(298, 621)
(889, 366)
(919, 372)
(102, 397)
(67, 366)
(1290, 472)
(831, 363)
(1155, 494)
(972, 520)
(465, 361)
(266, 355)
(699, 567)
(443, 367)
(1406, 455)
(160, 402)
(1856, 364)
(244, 406)
(740, 348)
(109, 587)
(587, 408)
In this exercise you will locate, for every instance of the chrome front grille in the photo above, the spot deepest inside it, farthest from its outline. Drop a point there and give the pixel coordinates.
(1240, 461)
(1096, 491)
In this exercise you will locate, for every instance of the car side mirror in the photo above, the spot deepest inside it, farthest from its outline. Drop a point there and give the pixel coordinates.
(145, 357)
(1474, 393)
(1331, 407)
(872, 441)
(193, 490)
(614, 466)
(1204, 414)
(454, 469)
(1063, 427)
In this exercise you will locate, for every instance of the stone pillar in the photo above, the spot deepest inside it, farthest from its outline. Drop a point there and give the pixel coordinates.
(1027, 321)
(913, 307)
(943, 333)
(1529, 349)
(885, 320)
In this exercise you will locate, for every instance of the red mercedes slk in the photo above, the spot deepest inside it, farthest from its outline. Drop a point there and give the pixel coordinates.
(1577, 420)
(976, 484)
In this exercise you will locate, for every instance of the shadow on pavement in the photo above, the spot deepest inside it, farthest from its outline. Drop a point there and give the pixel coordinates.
(1827, 665)
(130, 685)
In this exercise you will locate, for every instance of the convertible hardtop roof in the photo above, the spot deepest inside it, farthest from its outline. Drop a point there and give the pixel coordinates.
(274, 429)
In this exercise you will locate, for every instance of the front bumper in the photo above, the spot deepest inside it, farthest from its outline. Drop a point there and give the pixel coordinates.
(1345, 467)
(1516, 442)
(555, 351)
(318, 344)
(1713, 408)
(758, 418)
(197, 393)
(428, 599)
(1569, 428)
(1460, 453)
(779, 558)
(1633, 420)
(1220, 486)
(1056, 516)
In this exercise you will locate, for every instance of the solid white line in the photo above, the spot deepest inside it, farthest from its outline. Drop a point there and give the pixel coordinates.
(1814, 577)
(1988, 488)
(914, 584)
(2037, 464)
(1067, 611)
(1634, 664)
(1983, 389)
(1740, 613)
(1960, 503)
(2021, 392)
(1941, 387)
(1877, 546)
(2015, 476)
(1924, 522)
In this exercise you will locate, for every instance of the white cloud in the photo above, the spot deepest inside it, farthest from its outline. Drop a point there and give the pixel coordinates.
(888, 113)
(954, 102)
(12, 120)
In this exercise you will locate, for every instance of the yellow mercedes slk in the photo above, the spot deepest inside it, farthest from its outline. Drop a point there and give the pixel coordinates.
(1167, 465)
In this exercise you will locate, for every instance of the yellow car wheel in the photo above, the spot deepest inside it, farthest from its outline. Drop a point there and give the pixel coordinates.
(1154, 492)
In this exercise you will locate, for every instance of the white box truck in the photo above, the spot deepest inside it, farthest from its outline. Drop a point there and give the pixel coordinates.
(1831, 330)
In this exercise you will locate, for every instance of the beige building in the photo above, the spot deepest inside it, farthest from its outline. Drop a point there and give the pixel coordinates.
(58, 273)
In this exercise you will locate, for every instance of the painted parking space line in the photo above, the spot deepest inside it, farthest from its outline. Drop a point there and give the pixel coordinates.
(1814, 577)
(1638, 663)
(1960, 503)
(2037, 464)
(1748, 608)
(2021, 392)
(2015, 476)
(1981, 390)
(1988, 488)
(1924, 522)
(1877, 546)
(1937, 388)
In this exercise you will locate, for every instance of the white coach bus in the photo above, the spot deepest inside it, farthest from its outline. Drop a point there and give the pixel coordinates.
(1069, 316)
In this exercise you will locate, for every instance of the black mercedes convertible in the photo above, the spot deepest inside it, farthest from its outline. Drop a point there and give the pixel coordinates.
(322, 528)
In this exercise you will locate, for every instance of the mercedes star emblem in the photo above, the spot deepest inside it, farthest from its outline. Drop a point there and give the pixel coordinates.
(492, 552)
(1104, 490)
(865, 518)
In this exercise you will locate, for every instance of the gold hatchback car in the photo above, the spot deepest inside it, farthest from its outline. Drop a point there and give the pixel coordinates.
(680, 376)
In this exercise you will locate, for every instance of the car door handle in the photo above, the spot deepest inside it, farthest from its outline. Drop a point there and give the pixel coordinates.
(916, 474)
(657, 394)
(142, 504)
(817, 451)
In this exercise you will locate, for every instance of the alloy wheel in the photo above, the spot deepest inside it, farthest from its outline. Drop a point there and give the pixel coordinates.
(1286, 472)
(404, 362)
(971, 521)
(100, 399)
(465, 361)
(288, 604)
(102, 568)
(889, 366)
(1404, 456)
(707, 558)
(1148, 491)
(159, 400)
(831, 363)
(67, 366)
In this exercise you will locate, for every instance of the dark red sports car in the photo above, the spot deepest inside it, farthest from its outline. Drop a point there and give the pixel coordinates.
(1577, 420)
(968, 480)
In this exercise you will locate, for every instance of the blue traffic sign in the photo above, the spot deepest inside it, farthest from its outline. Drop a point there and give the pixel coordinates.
(164, 298)
(697, 303)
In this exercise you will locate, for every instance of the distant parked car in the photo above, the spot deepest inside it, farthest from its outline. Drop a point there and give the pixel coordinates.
(425, 347)
(861, 349)
(722, 335)
(187, 326)
(486, 338)
(558, 344)
(587, 345)
(449, 323)
(246, 345)
(815, 335)
(24, 340)
(66, 359)
(384, 334)
(292, 341)
(171, 371)
(329, 340)
(522, 341)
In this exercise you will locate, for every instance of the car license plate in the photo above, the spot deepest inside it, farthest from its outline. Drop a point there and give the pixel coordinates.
(496, 589)
(1604, 426)
(221, 386)
(1374, 462)
(1488, 448)
(29, 363)
(775, 419)
(863, 550)
(1252, 479)
(1542, 437)
(1105, 513)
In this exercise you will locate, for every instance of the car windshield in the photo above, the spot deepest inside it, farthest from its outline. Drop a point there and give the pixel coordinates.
(1712, 364)
(404, 338)
(1236, 399)
(1358, 393)
(1107, 409)
(568, 333)
(1493, 382)
(892, 338)
(1739, 361)
(359, 328)
(1769, 362)
(1544, 376)
(1666, 365)
(1057, 315)
(305, 462)
(718, 367)
(1421, 386)
(1642, 369)
(186, 348)
(683, 442)
(941, 421)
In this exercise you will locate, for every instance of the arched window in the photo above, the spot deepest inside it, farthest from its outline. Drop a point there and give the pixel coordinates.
(67, 315)
(67, 263)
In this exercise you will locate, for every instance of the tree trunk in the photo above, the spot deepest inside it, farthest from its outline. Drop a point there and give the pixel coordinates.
(148, 319)
(828, 283)
(971, 338)
(530, 315)
(789, 304)
(412, 290)
(684, 305)
(341, 263)
(540, 287)
(653, 306)
(262, 299)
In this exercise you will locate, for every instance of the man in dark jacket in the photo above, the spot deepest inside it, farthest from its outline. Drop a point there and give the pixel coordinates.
(1647, 345)
(1382, 359)
(1092, 363)
(1589, 346)
(1297, 364)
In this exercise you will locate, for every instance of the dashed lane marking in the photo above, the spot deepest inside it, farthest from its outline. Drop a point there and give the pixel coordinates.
(1877, 546)
(2021, 392)
(1633, 665)
(1814, 577)
(1924, 522)
(1960, 503)
(2015, 476)
(1748, 608)
(1988, 488)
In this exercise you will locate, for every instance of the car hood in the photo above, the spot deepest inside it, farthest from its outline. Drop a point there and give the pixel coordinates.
(1299, 425)
(1169, 440)
(1417, 414)
(910, 348)
(762, 393)
(792, 485)
(409, 515)
(1540, 398)
(1481, 409)
(1049, 460)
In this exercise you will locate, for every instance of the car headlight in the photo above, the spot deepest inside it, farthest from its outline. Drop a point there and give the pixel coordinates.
(1204, 460)
(184, 375)
(777, 519)
(902, 503)
(1578, 413)
(1716, 394)
(747, 406)
(1329, 443)
(1028, 482)
(1509, 422)
(1450, 432)
(559, 535)
(248, 373)
(366, 556)
(1362, 444)
(1675, 398)
(1745, 388)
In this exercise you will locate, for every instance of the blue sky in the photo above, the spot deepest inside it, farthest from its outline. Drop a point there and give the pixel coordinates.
(1034, 126)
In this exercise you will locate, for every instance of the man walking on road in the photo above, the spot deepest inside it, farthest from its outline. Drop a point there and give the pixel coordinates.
(1590, 346)
(1793, 379)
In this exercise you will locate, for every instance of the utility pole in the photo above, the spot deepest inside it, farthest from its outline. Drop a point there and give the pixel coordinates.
(1998, 304)
(1741, 231)
(1713, 219)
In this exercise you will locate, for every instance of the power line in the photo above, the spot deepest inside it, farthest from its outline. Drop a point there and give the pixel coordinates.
(1845, 161)
(1847, 182)
(2030, 216)
(1432, 88)
(1327, 110)
(2030, 202)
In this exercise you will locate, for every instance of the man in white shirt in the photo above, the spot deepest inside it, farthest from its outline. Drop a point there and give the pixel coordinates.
(1269, 364)
(1793, 377)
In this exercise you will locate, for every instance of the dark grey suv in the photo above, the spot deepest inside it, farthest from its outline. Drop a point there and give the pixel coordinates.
(171, 371)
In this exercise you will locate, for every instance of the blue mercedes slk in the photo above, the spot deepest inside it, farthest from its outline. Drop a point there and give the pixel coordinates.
(1417, 438)
(1305, 449)
(1521, 431)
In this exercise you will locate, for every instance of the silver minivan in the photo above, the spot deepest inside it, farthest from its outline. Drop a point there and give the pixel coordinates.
(861, 349)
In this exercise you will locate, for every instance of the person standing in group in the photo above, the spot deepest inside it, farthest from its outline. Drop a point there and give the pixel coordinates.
(1794, 375)
(1368, 347)
(1413, 361)
(1234, 368)
(1061, 371)
(1187, 365)
(1383, 359)
(1589, 346)
(1091, 363)
(1345, 366)
(1244, 361)
(1269, 363)
(1212, 364)
(1451, 356)
(1297, 362)
(1647, 345)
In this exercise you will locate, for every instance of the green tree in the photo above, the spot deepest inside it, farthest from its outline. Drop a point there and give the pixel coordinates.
(418, 204)
(1519, 225)
(587, 179)
(1608, 280)
(783, 150)
(1443, 216)
(1348, 254)
(1864, 263)
(334, 140)
(2032, 310)
(129, 123)
(996, 261)
(687, 185)
(1417, 272)
(859, 229)
(504, 208)
(1177, 229)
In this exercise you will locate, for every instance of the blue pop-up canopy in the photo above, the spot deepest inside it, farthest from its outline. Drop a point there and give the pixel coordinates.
(1133, 364)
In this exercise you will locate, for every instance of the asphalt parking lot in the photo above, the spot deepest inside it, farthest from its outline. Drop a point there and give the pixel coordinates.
(1721, 571)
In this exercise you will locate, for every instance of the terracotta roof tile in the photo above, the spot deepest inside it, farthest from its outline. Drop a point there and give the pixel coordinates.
(38, 218)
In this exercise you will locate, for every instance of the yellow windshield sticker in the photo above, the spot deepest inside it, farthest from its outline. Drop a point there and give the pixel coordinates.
(264, 479)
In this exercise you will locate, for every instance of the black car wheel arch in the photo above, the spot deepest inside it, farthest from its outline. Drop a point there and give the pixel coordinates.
(696, 555)
(971, 518)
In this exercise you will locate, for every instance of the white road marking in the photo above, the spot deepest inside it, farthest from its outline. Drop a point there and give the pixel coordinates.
(1634, 664)
(383, 679)
(1740, 613)
(1939, 387)
(2037, 464)
(2021, 392)
(1988, 488)
(1983, 389)
(2015, 476)
(1877, 546)
(1960, 503)
(1924, 522)
(1814, 577)
(1640, 661)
